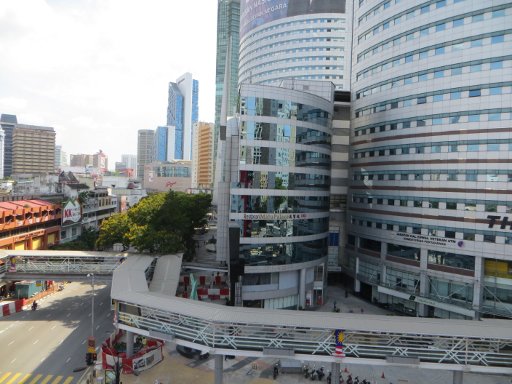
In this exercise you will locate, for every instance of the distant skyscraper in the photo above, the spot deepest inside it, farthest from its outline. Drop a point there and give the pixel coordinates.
(81, 160)
(130, 161)
(7, 123)
(202, 156)
(145, 150)
(182, 113)
(33, 149)
(165, 144)
(100, 161)
(61, 159)
(228, 25)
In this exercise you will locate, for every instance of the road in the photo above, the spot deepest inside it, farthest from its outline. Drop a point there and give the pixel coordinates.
(49, 344)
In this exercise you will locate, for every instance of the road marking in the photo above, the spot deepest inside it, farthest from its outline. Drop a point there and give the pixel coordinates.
(83, 342)
(69, 314)
(25, 378)
(68, 380)
(97, 327)
(57, 379)
(10, 343)
(13, 360)
(68, 359)
(53, 326)
(5, 376)
(47, 379)
(101, 303)
(35, 342)
(31, 328)
(35, 379)
(14, 378)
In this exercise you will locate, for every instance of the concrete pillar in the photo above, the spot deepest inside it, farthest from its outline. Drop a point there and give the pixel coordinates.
(478, 288)
(357, 283)
(458, 377)
(219, 368)
(335, 373)
(129, 344)
(302, 288)
(422, 308)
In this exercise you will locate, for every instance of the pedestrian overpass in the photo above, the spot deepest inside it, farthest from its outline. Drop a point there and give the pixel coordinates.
(143, 294)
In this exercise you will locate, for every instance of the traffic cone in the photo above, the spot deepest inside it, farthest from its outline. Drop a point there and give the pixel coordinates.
(382, 376)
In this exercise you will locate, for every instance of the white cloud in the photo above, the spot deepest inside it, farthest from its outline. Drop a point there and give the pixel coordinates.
(97, 71)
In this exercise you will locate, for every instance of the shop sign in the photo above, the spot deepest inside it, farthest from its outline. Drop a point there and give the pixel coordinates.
(71, 212)
(274, 216)
(430, 240)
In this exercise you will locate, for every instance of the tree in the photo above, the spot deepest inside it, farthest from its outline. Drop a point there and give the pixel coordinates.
(114, 230)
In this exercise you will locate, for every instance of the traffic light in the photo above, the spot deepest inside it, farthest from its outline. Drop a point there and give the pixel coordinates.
(89, 358)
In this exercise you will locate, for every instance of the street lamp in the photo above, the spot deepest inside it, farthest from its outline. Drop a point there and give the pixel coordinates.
(90, 356)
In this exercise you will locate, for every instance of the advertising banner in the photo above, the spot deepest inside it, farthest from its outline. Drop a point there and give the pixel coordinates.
(254, 13)
(71, 212)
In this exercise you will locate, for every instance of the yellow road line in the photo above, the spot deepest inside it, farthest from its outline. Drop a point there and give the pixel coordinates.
(34, 380)
(14, 378)
(5, 376)
(25, 378)
(57, 379)
(47, 379)
(68, 380)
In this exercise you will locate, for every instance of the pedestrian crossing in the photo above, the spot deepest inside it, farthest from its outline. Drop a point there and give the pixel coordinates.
(33, 378)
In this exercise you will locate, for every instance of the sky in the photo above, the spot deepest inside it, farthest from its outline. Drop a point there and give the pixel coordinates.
(97, 71)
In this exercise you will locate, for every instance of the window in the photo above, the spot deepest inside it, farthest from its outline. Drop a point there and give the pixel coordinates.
(434, 204)
(409, 15)
(424, 32)
(440, 27)
(437, 121)
(474, 92)
(439, 51)
(494, 117)
(404, 176)
(438, 74)
(493, 147)
(454, 95)
(453, 148)
(456, 71)
(420, 149)
(436, 149)
(406, 124)
(387, 4)
(499, 13)
(424, 9)
(495, 91)
(379, 201)
(417, 204)
(497, 39)
(408, 80)
(477, 43)
(423, 77)
(473, 118)
(420, 123)
(497, 65)
(454, 119)
(385, 25)
(473, 147)
(477, 18)
(451, 205)
(491, 207)
(421, 100)
(394, 105)
(449, 234)
(458, 22)
(408, 59)
(475, 68)
(391, 202)
(489, 238)
(469, 236)
(405, 150)
(441, 4)
(470, 177)
(391, 176)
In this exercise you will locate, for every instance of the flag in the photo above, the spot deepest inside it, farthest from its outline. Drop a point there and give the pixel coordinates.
(339, 338)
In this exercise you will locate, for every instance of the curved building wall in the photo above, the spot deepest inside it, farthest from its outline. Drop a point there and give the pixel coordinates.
(280, 198)
(430, 203)
(291, 43)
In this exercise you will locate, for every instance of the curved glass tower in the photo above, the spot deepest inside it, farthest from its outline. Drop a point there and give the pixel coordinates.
(430, 202)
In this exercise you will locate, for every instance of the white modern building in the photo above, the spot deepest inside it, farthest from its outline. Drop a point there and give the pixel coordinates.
(430, 205)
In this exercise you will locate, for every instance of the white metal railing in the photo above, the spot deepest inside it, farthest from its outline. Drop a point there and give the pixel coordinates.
(486, 355)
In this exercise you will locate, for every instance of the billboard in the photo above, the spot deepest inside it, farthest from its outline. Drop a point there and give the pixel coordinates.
(258, 12)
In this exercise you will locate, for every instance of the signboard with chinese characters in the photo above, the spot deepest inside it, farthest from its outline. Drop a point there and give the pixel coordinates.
(429, 240)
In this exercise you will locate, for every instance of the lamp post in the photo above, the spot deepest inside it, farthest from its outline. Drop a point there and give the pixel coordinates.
(90, 356)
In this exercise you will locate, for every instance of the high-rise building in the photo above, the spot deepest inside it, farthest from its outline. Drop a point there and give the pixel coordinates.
(100, 161)
(202, 156)
(130, 162)
(431, 156)
(145, 150)
(165, 144)
(7, 122)
(228, 32)
(183, 113)
(61, 157)
(33, 149)
(81, 160)
(278, 152)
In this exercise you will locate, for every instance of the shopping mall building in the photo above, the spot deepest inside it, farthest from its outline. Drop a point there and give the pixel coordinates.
(430, 204)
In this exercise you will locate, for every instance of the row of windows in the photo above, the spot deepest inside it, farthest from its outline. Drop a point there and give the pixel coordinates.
(449, 233)
(444, 118)
(451, 95)
(172, 171)
(435, 73)
(437, 203)
(385, 5)
(441, 147)
(457, 21)
(441, 49)
(455, 175)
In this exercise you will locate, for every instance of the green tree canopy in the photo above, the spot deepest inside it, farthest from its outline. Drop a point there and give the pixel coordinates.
(161, 223)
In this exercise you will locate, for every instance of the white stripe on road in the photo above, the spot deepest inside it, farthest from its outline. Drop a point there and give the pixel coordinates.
(10, 343)
(13, 360)
(68, 360)
(35, 342)
(53, 327)
(31, 328)
(69, 314)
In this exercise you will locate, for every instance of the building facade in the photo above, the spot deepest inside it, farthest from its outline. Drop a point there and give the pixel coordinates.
(145, 150)
(165, 143)
(163, 176)
(228, 40)
(202, 156)
(61, 157)
(431, 157)
(130, 162)
(33, 149)
(183, 113)
(7, 123)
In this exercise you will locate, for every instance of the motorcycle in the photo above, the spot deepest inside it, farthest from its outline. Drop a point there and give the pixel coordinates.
(305, 370)
(329, 378)
(34, 306)
(276, 369)
(313, 374)
(321, 373)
